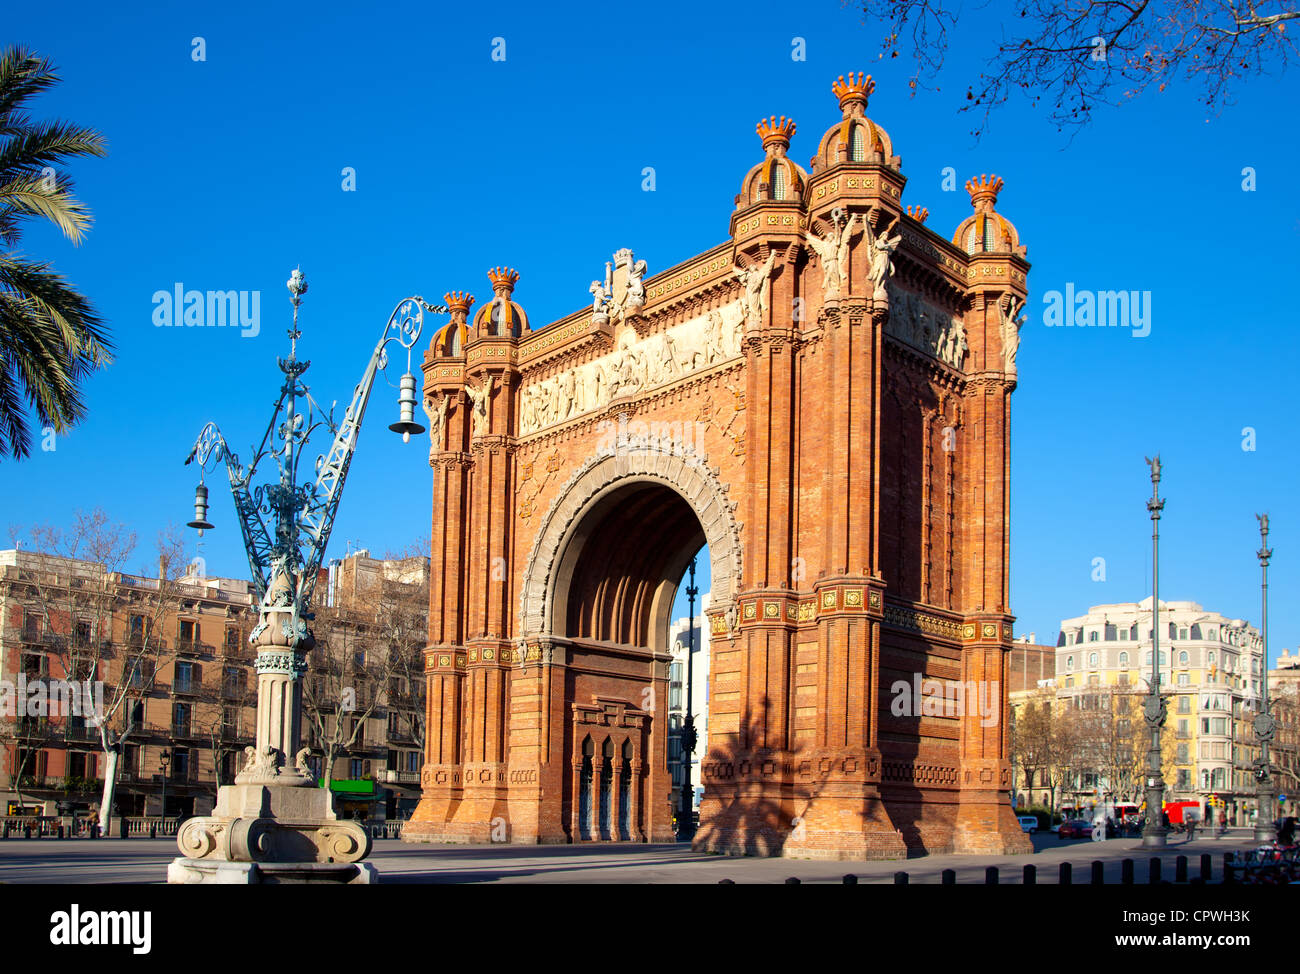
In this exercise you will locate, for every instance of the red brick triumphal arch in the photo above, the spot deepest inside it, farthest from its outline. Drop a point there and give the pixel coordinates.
(823, 399)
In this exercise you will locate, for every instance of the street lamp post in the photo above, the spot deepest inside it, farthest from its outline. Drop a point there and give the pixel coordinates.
(686, 815)
(164, 762)
(1153, 712)
(274, 813)
(1265, 725)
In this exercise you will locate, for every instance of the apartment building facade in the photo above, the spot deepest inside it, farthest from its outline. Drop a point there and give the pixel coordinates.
(1211, 667)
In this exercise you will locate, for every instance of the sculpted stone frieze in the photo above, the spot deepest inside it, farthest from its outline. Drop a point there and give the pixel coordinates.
(635, 366)
(918, 323)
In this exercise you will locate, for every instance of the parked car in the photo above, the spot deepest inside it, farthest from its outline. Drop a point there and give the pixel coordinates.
(1077, 829)
(1028, 823)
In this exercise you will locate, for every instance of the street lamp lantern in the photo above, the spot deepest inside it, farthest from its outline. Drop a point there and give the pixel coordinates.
(200, 509)
(286, 527)
(406, 424)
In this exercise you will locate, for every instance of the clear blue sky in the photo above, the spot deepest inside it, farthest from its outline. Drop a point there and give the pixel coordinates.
(226, 174)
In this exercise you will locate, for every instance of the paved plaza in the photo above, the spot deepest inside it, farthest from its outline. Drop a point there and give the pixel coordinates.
(110, 861)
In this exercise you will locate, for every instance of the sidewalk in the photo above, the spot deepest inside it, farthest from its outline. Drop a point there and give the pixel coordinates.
(108, 861)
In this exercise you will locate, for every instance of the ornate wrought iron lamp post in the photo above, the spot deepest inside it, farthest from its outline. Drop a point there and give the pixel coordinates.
(1153, 711)
(1265, 725)
(686, 814)
(273, 813)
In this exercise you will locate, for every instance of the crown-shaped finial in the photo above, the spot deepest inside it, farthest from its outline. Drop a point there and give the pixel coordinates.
(854, 90)
(918, 213)
(503, 279)
(458, 301)
(984, 192)
(773, 132)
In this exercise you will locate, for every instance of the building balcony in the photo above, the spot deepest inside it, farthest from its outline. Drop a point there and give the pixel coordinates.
(32, 727)
(390, 776)
(192, 647)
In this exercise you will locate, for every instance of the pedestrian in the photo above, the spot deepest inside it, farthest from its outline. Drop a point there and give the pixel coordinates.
(1223, 822)
(1191, 819)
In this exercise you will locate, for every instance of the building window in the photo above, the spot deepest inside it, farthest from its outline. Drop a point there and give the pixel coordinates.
(1182, 724)
(857, 143)
(1092, 659)
(1182, 633)
(1069, 681)
(1069, 662)
(1183, 658)
(184, 681)
(1212, 634)
(1092, 636)
(1093, 679)
(1184, 680)
(232, 640)
(1123, 679)
(181, 713)
(1123, 635)
(1211, 657)
(1182, 754)
(355, 768)
(1123, 659)
(1184, 705)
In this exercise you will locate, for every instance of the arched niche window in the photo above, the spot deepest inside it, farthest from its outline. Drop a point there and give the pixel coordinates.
(1123, 659)
(857, 143)
(584, 788)
(780, 182)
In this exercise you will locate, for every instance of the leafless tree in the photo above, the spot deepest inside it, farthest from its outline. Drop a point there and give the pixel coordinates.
(78, 586)
(1074, 55)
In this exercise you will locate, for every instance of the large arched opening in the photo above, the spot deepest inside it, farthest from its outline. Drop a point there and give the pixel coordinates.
(613, 555)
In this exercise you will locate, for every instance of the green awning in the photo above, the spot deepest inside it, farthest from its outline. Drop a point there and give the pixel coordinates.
(353, 786)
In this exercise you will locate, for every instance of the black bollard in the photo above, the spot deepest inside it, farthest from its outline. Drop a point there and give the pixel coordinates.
(1153, 872)
(60, 831)
(1180, 869)
(1228, 877)
(1031, 874)
(900, 879)
(1067, 874)
(1126, 872)
(153, 830)
(849, 880)
(726, 882)
(948, 877)
(1098, 872)
(990, 875)
(792, 881)
(1206, 867)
